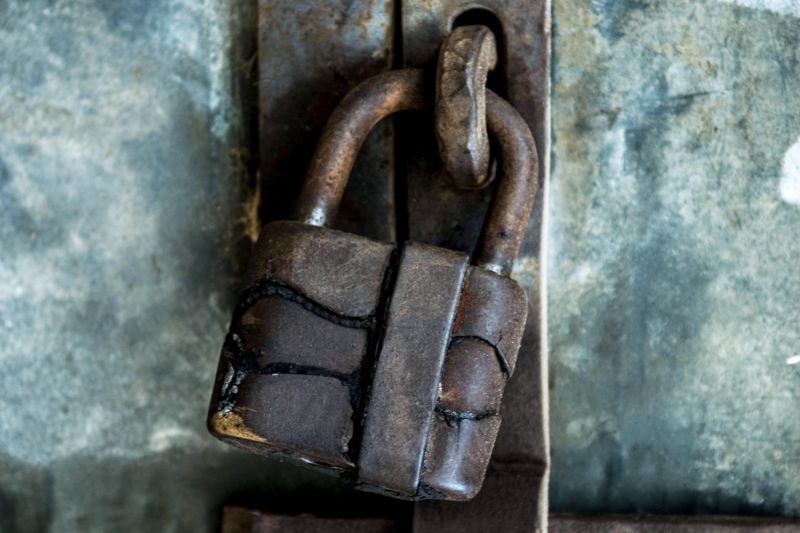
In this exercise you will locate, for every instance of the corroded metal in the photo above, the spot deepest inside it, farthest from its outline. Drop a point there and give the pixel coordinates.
(437, 212)
(345, 132)
(403, 353)
(466, 57)
(505, 225)
(395, 371)
(238, 520)
(405, 387)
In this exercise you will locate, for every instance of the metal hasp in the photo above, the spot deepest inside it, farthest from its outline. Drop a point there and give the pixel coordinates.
(401, 355)
(466, 57)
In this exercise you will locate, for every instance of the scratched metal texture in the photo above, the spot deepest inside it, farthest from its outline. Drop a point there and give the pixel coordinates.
(127, 205)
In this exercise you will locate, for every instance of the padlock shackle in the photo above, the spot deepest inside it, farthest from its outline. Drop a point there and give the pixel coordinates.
(518, 184)
(345, 132)
(401, 90)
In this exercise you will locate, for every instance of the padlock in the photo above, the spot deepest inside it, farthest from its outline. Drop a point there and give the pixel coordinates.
(384, 364)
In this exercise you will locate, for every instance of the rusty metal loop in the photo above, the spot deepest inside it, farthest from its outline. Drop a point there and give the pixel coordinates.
(465, 59)
(345, 132)
(400, 90)
(516, 188)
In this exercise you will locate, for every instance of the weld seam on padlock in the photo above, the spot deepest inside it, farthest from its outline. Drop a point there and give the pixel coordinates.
(245, 362)
(453, 415)
(501, 359)
(270, 287)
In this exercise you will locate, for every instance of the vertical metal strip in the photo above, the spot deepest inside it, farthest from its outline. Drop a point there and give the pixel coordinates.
(514, 497)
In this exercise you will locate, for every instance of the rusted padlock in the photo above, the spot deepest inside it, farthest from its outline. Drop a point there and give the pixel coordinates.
(384, 363)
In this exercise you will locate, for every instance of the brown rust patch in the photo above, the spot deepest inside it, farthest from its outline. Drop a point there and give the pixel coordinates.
(231, 424)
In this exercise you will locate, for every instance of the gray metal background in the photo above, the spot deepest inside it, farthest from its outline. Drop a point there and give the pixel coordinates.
(126, 201)
(674, 241)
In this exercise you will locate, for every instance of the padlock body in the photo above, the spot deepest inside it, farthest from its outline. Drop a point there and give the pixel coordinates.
(386, 366)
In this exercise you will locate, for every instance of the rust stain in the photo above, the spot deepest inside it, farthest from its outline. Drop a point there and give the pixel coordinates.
(231, 424)
(250, 218)
(251, 204)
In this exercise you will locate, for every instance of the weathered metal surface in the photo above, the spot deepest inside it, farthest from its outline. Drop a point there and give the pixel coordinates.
(473, 380)
(293, 412)
(259, 396)
(319, 262)
(674, 247)
(239, 520)
(311, 53)
(480, 359)
(669, 524)
(304, 401)
(502, 503)
(123, 180)
(507, 220)
(514, 494)
(123, 135)
(421, 421)
(494, 309)
(465, 59)
(458, 452)
(277, 330)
